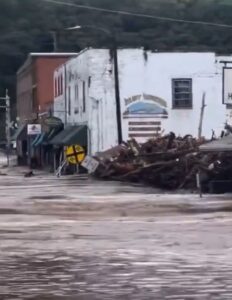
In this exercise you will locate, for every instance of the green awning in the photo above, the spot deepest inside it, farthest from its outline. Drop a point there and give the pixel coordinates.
(35, 140)
(40, 140)
(20, 133)
(71, 135)
(51, 134)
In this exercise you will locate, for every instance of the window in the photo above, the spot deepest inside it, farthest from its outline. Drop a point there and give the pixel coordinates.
(58, 86)
(182, 93)
(55, 88)
(76, 99)
(84, 97)
(61, 84)
(34, 100)
(69, 100)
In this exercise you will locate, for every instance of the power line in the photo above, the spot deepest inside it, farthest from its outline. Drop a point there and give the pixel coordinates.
(139, 15)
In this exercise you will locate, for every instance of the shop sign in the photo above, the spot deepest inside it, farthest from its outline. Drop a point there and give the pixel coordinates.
(34, 129)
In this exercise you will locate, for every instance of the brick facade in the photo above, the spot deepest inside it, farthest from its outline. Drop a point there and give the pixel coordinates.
(35, 83)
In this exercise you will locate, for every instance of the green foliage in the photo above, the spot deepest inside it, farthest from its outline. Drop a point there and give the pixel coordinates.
(25, 27)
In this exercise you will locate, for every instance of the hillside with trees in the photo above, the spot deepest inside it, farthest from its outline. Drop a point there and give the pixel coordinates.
(27, 25)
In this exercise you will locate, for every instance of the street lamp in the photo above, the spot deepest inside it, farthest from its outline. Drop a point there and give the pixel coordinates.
(116, 76)
(77, 27)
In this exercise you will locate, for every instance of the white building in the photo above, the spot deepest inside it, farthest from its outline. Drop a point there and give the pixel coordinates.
(159, 92)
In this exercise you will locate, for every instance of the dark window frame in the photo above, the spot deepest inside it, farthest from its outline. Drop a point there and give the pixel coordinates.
(35, 106)
(61, 84)
(69, 100)
(55, 88)
(188, 93)
(76, 98)
(84, 96)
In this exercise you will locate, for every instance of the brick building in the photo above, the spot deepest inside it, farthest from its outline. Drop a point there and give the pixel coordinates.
(35, 83)
(35, 97)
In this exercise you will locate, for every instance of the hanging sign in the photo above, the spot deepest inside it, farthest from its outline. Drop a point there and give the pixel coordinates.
(34, 129)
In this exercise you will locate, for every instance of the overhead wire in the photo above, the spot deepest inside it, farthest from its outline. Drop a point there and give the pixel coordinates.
(135, 14)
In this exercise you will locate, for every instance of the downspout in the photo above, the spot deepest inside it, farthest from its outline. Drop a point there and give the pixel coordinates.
(65, 95)
(89, 141)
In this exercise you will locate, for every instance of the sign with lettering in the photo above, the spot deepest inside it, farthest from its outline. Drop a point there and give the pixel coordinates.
(144, 115)
(140, 106)
(227, 85)
(34, 129)
(90, 164)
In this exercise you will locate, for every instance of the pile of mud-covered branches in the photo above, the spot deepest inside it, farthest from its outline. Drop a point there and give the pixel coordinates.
(168, 162)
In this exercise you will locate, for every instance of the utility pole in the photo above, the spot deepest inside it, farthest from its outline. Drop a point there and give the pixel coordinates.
(117, 91)
(7, 125)
(114, 51)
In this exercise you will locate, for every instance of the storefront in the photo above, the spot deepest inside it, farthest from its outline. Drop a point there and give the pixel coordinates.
(42, 151)
(71, 135)
(20, 137)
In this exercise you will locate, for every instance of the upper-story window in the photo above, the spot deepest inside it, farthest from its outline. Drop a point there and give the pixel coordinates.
(61, 84)
(182, 93)
(69, 100)
(55, 87)
(76, 99)
(58, 85)
(84, 97)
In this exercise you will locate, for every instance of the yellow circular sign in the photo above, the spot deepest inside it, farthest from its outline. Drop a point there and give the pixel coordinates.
(75, 154)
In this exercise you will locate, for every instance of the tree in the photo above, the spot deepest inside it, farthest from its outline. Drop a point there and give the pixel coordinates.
(25, 26)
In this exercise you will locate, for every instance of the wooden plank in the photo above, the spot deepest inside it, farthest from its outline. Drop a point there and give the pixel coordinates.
(138, 135)
(144, 123)
(153, 129)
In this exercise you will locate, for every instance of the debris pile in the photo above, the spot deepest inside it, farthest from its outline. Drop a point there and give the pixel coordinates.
(167, 162)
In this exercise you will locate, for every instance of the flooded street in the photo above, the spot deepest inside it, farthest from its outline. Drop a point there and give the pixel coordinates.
(79, 239)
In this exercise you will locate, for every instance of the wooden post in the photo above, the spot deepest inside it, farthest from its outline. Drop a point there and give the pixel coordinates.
(54, 162)
(201, 116)
(198, 179)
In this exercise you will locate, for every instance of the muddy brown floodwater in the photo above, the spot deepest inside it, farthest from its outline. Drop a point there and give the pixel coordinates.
(79, 239)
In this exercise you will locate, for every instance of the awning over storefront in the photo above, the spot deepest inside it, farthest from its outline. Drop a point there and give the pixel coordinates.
(71, 135)
(20, 133)
(51, 134)
(39, 140)
(35, 140)
(222, 145)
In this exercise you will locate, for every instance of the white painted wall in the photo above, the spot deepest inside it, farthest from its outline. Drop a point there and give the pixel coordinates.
(93, 69)
(154, 76)
(142, 73)
(102, 104)
(59, 100)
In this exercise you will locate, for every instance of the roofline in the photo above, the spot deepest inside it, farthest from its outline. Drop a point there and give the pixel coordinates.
(44, 54)
(136, 49)
(75, 56)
